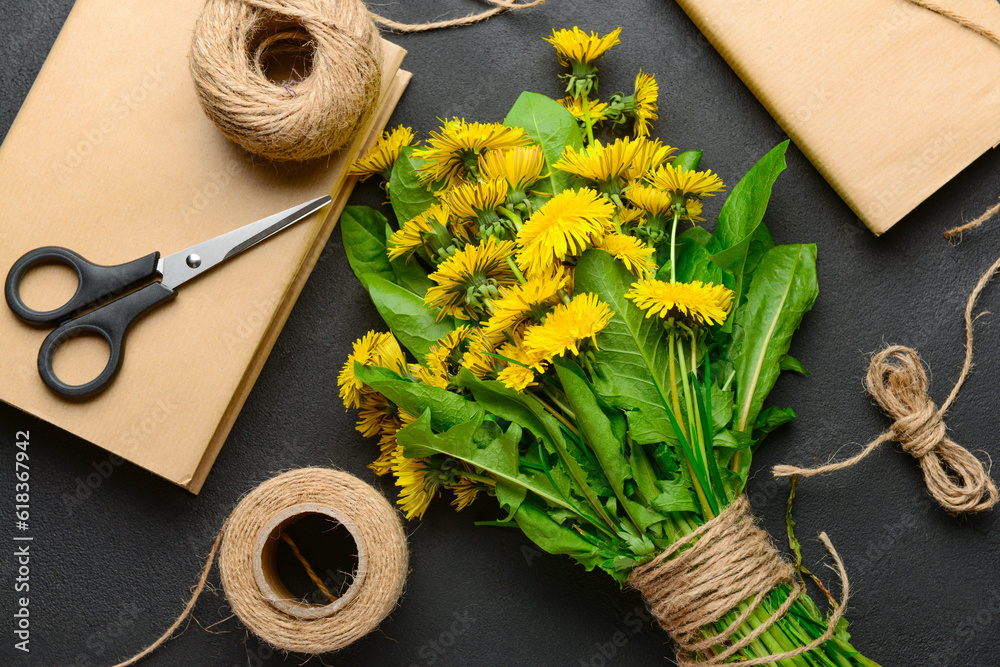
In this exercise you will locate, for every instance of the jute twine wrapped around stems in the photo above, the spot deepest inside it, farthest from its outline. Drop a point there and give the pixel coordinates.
(245, 546)
(328, 105)
(703, 576)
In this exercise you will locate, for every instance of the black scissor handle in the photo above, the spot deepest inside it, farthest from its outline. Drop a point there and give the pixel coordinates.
(111, 321)
(97, 284)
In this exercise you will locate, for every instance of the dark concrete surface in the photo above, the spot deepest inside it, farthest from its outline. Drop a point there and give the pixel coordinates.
(110, 572)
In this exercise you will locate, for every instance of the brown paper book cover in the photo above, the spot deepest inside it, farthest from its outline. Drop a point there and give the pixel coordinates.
(112, 156)
(887, 99)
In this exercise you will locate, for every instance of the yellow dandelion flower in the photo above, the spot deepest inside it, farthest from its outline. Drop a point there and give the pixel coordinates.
(576, 46)
(449, 152)
(649, 154)
(469, 201)
(520, 167)
(684, 184)
(521, 303)
(387, 443)
(479, 359)
(628, 216)
(695, 301)
(601, 163)
(383, 464)
(643, 108)
(376, 411)
(428, 376)
(563, 227)
(567, 326)
(374, 348)
(649, 199)
(521, 375)
(575, 105)
(692, 211)
(473, 272)
(630, 251)
(465, 491)
(380, 157)
(417, 483)
(415, 231)
(518, 378)
(446, 353)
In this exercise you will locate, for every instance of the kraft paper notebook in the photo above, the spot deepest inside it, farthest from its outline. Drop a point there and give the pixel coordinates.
(887, 99)
(112, 156)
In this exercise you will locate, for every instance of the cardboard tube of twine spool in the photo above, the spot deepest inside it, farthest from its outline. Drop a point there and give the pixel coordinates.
(256, 593)
(248, 563)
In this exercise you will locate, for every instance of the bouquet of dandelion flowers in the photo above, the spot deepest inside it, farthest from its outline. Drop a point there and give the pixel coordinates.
(566, 339)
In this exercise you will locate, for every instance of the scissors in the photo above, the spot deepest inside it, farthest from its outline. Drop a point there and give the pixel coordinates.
(110, 299)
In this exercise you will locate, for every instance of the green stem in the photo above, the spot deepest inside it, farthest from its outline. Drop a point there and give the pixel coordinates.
(514, 218)
(517, 271)
(694, 354)
(489, 481)
(694, 424)
(706, 507)
(555, 413)
(588, 121)
(673, 246)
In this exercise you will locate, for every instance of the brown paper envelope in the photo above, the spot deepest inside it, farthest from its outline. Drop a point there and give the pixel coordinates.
(887, 99)
(112, 156)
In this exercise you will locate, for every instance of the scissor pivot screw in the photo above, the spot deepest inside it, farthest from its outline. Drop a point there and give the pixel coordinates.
(193, 260)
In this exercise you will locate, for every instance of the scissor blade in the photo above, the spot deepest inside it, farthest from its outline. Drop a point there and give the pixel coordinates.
(182, 266)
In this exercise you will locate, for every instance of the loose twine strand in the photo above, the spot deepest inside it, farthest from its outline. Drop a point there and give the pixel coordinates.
(498, 7)
(376, 528)
(700, 578)
(989, 34)
(957, 18)
(896, 379)
(972, 224)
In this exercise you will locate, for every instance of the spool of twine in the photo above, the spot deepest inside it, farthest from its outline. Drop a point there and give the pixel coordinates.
(704, 576)
(331, 103)
(247, 563)
(316, 111)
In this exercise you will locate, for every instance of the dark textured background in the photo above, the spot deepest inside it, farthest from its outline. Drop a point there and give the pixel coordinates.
(110, 572)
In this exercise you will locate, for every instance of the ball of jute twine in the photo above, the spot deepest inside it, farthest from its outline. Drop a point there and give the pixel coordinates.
(263, 605)
(325, 108)
(955, 478)
(703, 576)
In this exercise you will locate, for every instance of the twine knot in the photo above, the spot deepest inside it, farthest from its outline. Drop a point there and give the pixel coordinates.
(955, 478)
(898, 383)
(703, 576)
(896, 379)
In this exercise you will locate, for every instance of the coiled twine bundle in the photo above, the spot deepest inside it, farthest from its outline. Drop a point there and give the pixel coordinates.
(260, 600)
(319, 113)
(247, 563)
